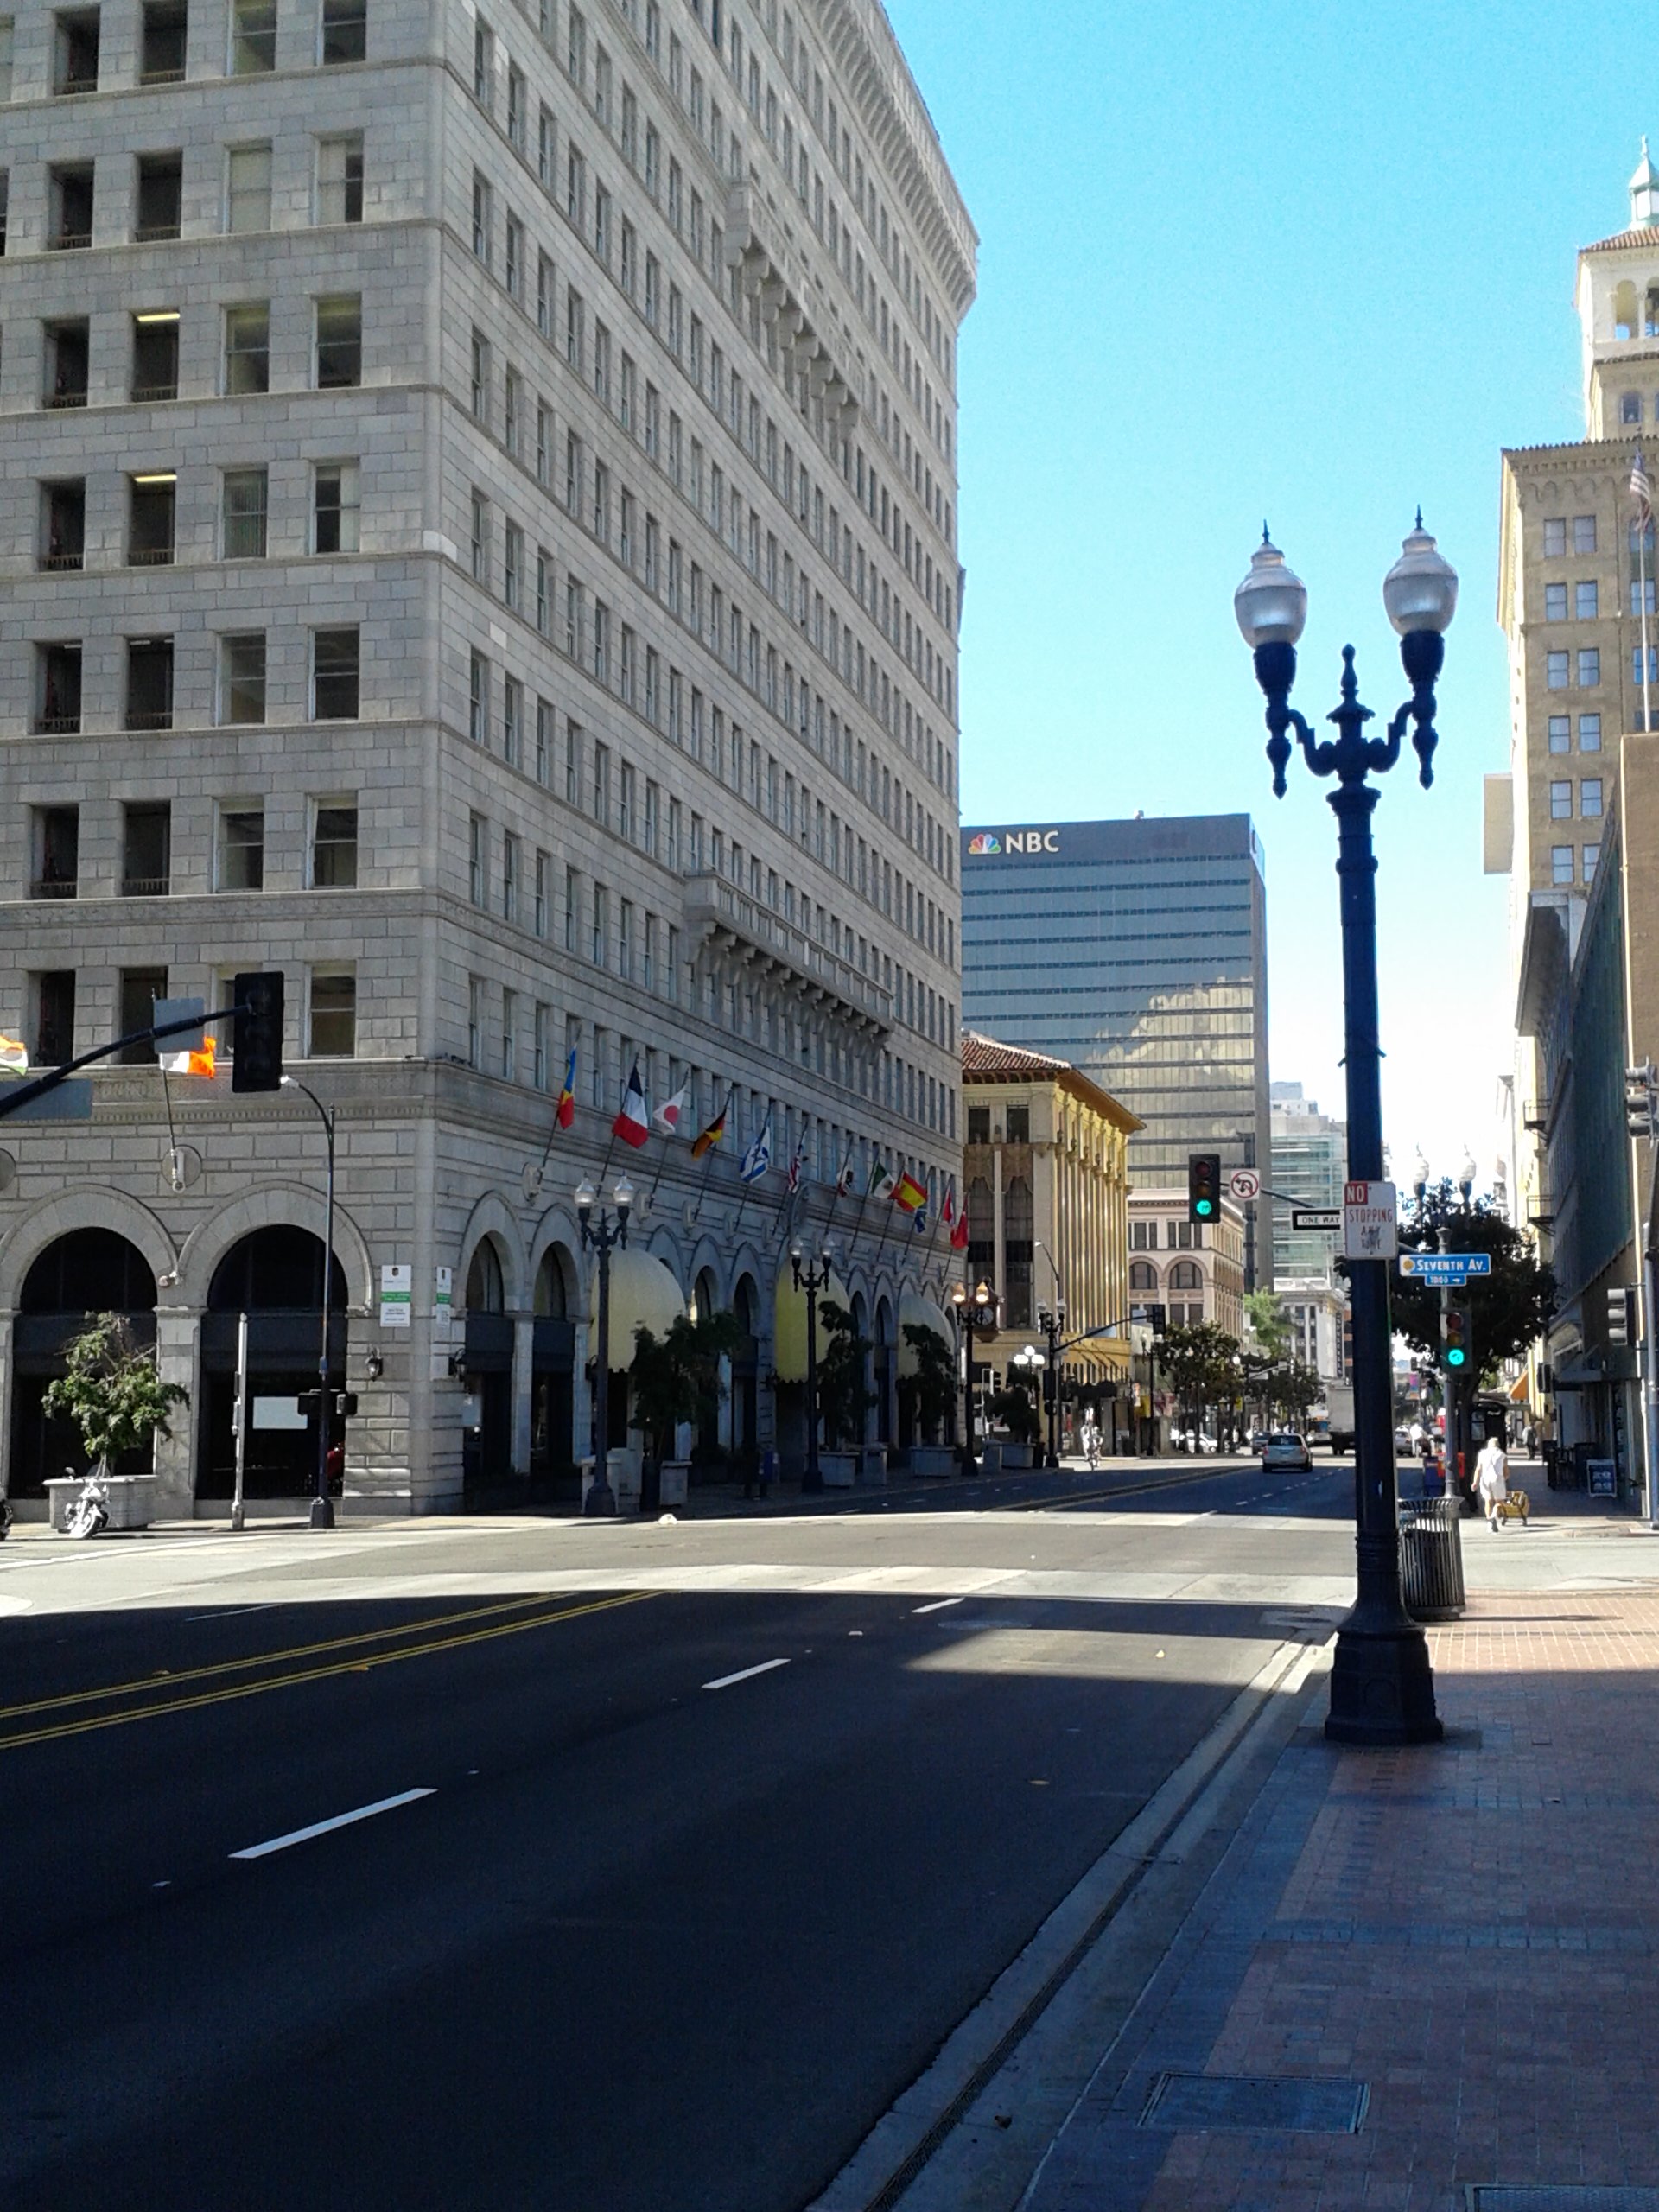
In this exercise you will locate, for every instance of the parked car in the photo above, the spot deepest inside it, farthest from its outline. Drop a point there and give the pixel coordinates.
(1258, 1439)
(1285, 1448)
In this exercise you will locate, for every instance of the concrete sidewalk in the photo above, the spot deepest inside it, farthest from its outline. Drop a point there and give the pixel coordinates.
(1414, 1980)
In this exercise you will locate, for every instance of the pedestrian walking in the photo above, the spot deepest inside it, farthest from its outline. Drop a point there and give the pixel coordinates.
(1091, 1440)
(1491, 1480)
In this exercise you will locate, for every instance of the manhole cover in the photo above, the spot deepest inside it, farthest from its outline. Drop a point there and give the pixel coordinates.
(1569, 2197)
(1283, 2103)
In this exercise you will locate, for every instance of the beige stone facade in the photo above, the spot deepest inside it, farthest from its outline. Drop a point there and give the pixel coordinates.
(1045, 1185)
(1194, 1270)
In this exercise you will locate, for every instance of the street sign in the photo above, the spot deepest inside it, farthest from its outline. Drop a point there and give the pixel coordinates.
(1369, 1212)
(1453, 1267)
(1316, 1217)
(1244, 1183)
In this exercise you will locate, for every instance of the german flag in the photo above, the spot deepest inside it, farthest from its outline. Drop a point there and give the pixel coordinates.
(706, 1140)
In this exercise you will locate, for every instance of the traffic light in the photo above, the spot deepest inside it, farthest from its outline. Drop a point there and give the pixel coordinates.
(1157, 1319)
(345, 1405)
(257, 1030)
(1203, 1186)
(1455, 1333)
(1619, 1316)
(1639, 1099)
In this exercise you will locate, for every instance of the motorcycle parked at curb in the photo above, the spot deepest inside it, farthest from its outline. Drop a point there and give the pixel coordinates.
(89, 1514)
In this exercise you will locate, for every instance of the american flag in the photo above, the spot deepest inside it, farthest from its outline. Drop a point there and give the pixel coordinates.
(796, 1165)
(1641, 489)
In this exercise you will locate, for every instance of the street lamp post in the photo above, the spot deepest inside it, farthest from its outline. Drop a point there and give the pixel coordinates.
(1050, 1319)
(601, 1237)
(1382, 1687)
(322, 1506)
(811, 1280)
(973, 1311)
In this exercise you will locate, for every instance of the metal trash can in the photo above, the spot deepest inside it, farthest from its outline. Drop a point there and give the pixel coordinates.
(1431, 1558)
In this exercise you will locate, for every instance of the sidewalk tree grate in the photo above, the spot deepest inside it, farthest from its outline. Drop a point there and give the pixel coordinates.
(1565, 2196)
(1273, 2103)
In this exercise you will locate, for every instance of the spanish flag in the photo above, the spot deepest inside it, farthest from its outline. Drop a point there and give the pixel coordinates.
(706, 1140)
(910, 1193)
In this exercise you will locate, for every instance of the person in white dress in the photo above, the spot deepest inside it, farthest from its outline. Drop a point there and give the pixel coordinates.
(1492, 1480)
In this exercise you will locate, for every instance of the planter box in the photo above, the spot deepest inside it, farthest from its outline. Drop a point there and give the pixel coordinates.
(872, 1464)
(838, 1469)
(932, 1459)
(131, 1500)
(673, 1478)
(1015, 1457)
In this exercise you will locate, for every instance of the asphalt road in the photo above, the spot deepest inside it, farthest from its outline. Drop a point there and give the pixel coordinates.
(679, 1849)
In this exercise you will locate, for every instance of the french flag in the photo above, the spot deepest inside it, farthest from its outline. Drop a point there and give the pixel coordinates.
(633, 1124)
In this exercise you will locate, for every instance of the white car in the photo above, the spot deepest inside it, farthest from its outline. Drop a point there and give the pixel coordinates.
(1285, 1448)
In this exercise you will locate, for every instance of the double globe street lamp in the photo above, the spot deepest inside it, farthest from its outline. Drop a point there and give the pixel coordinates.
(1381, 1687)
(975, 1312)
(811, 1280)
(1050, 1319)
(601, 1237)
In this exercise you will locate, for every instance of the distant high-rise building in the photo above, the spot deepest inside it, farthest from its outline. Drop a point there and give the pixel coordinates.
(1136, 950)
(1310, 1165)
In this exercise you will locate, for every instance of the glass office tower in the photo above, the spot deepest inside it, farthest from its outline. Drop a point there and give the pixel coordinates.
(1136, 950)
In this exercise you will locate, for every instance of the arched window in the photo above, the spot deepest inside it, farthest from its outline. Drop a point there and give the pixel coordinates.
(1143, 1276)
(1624, 309)
(746, 1303)
(554, 1299)
(89, 1271)
(705, 1298)
(1186, 1275)
(485, 1291)
(1650, 313)
(278, 1269)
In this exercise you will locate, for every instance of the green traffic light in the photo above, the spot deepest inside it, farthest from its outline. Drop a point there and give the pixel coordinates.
(1204, 1206)
(1455, 1356)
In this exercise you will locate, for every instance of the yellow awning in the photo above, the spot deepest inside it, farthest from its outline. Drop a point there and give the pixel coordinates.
(921, 1313)
(789, 1323)
(643, 1295)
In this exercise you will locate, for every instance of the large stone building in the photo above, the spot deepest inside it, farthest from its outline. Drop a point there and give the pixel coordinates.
(1575, 823)
(1137, 951)
(1045, 1185)
(1197, 1275)
(480, 524)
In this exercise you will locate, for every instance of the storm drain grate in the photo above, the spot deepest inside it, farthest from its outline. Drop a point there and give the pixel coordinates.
(1282, 2103)
(1566, 2197)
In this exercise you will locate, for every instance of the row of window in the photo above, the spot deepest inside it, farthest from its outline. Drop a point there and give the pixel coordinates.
(332, 516)
(146, 851)
(74, 61)
(1179, 1235)
(332, 691)
(327, 1011)
(1569, 864)
(1561, 808)
(157, 200)
(336, 350)
(1563, 670)
(1561, 732)
(1587, 598)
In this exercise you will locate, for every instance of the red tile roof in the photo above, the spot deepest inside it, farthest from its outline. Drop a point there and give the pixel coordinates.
(1646, 235)
(986, 1059)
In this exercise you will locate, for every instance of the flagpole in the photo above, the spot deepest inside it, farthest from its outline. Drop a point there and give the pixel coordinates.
(1644, 519)
(709, 1156)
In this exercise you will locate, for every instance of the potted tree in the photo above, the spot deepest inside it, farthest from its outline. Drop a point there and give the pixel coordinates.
(843, 1396)
(1014, 1413)
(114, 1394)
(927, 1397)
(676, 1383)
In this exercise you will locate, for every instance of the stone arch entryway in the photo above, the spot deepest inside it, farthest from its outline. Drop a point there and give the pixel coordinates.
(746, 1373)
(556, 1304)
(273, 1275)
(486, 1362)
(85, 1272)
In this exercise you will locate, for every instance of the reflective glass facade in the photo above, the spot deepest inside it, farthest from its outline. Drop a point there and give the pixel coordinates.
(1137, 951)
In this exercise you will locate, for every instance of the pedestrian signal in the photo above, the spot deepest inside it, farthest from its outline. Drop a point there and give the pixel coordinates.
(1454, 1338)
(1203, 1185)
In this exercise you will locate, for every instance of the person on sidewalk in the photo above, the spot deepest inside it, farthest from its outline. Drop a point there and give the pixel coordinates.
(1492, 1480)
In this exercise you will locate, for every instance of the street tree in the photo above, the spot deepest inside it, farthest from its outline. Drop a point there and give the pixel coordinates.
(113, 1392)
(1510, 1308)
(1269, 1323)
(1201, 1361)
(928, 1394)
(844, 1397)
(676, 1377)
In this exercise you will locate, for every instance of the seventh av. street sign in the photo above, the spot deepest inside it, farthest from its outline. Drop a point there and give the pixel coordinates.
(1453, 1267)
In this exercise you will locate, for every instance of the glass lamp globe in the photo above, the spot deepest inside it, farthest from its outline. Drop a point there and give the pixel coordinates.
(1270, 606)
(1421, 589)
(585, 1196)
(624, 1193)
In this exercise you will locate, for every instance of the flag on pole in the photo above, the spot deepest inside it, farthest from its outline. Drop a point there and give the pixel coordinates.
(1641, 489)
(198, 1062)
(706, 1140)
(565, 1112)
(948, 1211)
(881, 1183)
(633, 1124)
(796, 1165)
(844, 1181)
(909, 1195)
(918, 1219)
(667, 1118)
(758, 1159)
(959, 1233)
(13, 1056)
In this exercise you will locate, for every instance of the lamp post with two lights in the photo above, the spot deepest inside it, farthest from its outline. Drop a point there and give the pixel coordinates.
(601, 1237)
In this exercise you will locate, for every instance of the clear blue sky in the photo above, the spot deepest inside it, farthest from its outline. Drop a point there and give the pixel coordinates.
(1313, 265)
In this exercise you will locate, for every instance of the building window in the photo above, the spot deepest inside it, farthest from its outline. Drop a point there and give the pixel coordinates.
(151, 501)
(340, 341)
(69, 206)
(474, 1020)
(1555, 535)
(155, 355)
(345, 32)
(253, 37)
(54, 858)
(161, 42)
(478, 700)
(139, 989)
(480, 540)
(334, 505)
(58, 676)
(340, 179)
(1561, 802)
(247, 348)
(1591, 860)
(1652, 668)
(1555, 670)
(481, 377)
(159, 201)
(247, 188)
(483, 218)
(477, 860)
(512, 718)
(483, 63)
(1590, 796)
(52, 996)
(63, 524)
(1630, 407)
(242, 677)
(1554, 602)
(74, 52)
(509, 877)
(146, 850)
(1561, 732)
(1561, 864)
(1585, 600)
(334, 667)
(539, 1064)
(1589, 670)
(334, 846)
(241, 859)
(246, 498)
(1583, 533)
(334, 1014)
(1589, 733)
(149, 684)
(509, 1035)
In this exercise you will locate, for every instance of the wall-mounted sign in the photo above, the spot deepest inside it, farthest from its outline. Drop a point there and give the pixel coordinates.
(396, 1295)
(992, 844)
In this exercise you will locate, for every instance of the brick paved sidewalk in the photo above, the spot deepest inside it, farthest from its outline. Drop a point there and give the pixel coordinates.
(1470, 1932)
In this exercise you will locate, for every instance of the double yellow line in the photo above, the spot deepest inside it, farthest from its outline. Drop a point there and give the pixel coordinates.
(152, 1695)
